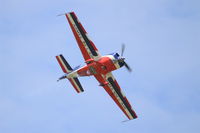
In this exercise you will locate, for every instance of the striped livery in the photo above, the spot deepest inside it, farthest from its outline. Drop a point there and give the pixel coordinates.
(100, 67)
(87, 47)
(115, 92)
(67, 69)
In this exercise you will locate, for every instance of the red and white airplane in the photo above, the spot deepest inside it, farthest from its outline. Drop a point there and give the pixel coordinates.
(100, 67)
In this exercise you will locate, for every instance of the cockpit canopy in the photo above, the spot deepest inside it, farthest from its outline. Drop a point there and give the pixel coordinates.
(118, 59)
(116, 55)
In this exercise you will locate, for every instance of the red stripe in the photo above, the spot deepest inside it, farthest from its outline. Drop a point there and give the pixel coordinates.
(80, 44)
(61, 65)
(109, 91)
(126, 101)
(85, 32)
(74, 85)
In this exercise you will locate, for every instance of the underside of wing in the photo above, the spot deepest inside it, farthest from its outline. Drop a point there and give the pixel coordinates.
(114, 90)
(86, 46)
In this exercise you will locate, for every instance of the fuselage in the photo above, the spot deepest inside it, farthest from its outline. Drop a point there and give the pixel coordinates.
(103, 65)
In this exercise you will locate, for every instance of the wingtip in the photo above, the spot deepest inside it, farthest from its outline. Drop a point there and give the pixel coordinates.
(72, 12)
(125, 121)
(135, 117)
(61, 14)
(128, 120)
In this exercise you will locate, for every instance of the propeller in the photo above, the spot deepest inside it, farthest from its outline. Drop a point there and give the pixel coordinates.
(122, 58)
(122, 49)
(128, 67)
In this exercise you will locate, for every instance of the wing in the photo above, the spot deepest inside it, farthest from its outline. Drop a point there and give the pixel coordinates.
(86, 46)
(114, 90)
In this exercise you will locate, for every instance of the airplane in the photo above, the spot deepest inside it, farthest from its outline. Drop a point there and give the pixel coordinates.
(100, 67)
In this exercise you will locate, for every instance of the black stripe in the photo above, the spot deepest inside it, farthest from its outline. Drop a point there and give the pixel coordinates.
(78, 83)
(117, 90)
(94, 53)
(65, 62)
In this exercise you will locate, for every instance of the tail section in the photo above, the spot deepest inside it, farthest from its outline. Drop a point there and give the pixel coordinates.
(76, 84)
(67, 69)
(63, 64)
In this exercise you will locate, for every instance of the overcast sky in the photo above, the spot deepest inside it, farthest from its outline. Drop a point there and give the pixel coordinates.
(162, 46)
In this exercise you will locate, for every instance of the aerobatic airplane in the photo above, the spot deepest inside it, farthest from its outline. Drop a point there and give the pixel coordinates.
(100, 67)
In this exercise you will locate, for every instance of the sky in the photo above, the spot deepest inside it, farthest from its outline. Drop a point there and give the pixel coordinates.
(162, 46)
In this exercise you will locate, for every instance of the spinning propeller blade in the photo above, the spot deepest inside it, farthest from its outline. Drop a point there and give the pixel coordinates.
(125, 64)
(122, 50)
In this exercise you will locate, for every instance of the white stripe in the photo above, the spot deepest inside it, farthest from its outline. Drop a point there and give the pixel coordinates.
(117, 96)
(80, 36)
(79, 90)
(82, 40)
(63, 64)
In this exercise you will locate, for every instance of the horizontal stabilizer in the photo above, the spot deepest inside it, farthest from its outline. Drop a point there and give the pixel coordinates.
(63, 64)
(67, 69)
(76, 84)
